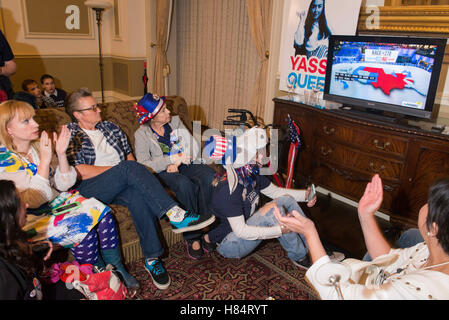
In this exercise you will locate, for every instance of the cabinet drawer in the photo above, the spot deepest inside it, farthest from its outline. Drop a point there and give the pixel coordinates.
(394, 146)
(359, 161)
(348, 184)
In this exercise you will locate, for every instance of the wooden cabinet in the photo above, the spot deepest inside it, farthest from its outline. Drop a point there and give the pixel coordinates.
(341, 152)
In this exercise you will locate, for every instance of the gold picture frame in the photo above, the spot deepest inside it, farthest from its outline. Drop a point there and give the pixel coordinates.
(405, 20)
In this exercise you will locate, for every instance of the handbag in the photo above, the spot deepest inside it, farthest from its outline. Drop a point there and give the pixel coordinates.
(104, 285)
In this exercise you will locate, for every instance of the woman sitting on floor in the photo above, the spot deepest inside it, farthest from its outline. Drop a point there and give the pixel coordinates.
(242, 227)
(29, 163)
(419, 272)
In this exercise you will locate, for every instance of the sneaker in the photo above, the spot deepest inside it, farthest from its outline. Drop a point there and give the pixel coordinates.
(192, 253)
(161, 279)
(304, 263)
(188, 221)
(207, 246)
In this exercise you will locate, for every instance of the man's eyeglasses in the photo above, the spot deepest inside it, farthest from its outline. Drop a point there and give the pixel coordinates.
(93, 108)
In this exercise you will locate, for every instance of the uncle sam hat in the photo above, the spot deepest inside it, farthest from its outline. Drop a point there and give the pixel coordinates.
(148, 107)
(235, 151)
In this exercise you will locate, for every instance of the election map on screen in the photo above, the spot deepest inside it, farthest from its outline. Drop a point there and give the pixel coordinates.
(390, 73)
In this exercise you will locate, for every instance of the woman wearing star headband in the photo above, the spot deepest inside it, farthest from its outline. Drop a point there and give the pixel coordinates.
(242, 224)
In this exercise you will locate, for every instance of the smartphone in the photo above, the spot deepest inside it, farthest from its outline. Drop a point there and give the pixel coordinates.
(65, 208)
(312, 192)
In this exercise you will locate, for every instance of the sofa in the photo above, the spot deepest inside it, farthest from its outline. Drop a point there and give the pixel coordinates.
(122, 114)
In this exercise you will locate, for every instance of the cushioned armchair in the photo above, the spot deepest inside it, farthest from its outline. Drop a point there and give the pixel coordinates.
(122, 114)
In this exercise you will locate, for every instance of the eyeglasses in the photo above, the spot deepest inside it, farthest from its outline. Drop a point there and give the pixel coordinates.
(93, 108)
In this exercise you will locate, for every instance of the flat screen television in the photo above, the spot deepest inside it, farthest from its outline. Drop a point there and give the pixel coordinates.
(376, 73)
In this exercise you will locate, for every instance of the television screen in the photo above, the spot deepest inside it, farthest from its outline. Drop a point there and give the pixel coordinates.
(396, 74)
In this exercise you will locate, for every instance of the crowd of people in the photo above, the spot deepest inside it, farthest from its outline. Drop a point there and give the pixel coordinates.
(90, 164)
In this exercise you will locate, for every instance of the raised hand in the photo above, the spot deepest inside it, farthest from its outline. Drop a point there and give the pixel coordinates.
(45, 149)
(62, 141)
(372, 198)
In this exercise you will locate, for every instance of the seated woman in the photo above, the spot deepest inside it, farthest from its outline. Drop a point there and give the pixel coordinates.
(236, 196)
(30, 164)
(164, 144)
(19, 266)
(419, 272)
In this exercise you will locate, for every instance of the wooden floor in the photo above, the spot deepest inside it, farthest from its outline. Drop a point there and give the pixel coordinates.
(339, 227)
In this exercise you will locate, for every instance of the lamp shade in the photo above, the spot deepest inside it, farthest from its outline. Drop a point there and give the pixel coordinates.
(101, 4)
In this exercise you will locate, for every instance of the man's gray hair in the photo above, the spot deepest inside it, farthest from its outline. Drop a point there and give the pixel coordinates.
(71, 102)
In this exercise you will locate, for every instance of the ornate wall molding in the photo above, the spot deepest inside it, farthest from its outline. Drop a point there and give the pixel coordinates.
(405, 20)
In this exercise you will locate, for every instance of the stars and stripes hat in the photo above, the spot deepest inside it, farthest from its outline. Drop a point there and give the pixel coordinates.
(148, 107)
(220, 148)
(235, 151)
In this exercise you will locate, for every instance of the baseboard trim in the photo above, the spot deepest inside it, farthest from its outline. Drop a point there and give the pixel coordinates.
(350, 202)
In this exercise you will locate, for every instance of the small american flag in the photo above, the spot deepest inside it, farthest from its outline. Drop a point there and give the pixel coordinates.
(295, 143)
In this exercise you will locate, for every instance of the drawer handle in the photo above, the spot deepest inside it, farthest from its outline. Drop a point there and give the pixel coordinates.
(376, 170)
(328, 131)
(325, 152)
(378, 146)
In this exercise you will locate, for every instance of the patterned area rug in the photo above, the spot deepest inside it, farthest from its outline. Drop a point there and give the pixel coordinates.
(267, 272)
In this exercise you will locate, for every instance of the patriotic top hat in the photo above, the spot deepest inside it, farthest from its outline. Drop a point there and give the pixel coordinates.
(235, 151)
(148, 107)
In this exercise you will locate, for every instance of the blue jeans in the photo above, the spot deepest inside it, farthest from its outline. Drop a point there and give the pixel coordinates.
(132, 185)
(193, 188)
(295, 245)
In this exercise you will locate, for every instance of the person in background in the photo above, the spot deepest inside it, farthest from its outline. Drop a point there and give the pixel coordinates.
(8, 67)
(101, 154)
(418, 272)
(50, 90)
(312, 36)
(164, 144)
(43, 178)
(242, 225)
(32, 87)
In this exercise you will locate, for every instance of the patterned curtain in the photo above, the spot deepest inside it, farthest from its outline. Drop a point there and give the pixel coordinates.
(217, 62)
(161, 68)
(259, 12)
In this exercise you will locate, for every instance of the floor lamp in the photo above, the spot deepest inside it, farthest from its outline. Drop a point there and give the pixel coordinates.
(99, 6)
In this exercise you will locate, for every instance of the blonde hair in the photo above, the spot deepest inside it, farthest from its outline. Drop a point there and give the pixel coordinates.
(8, 110)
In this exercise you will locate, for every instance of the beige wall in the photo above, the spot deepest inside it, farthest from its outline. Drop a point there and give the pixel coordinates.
(73, 61)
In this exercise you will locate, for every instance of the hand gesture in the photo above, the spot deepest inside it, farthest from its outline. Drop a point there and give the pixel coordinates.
(295, 222)
(180, 158)
(172, 168)
(45, 150)
(312, 202)
(372, 198)
(301, 15)
(49, 251)
(62, 141)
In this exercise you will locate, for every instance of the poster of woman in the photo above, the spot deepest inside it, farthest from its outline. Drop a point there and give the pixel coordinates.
(308, 24)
